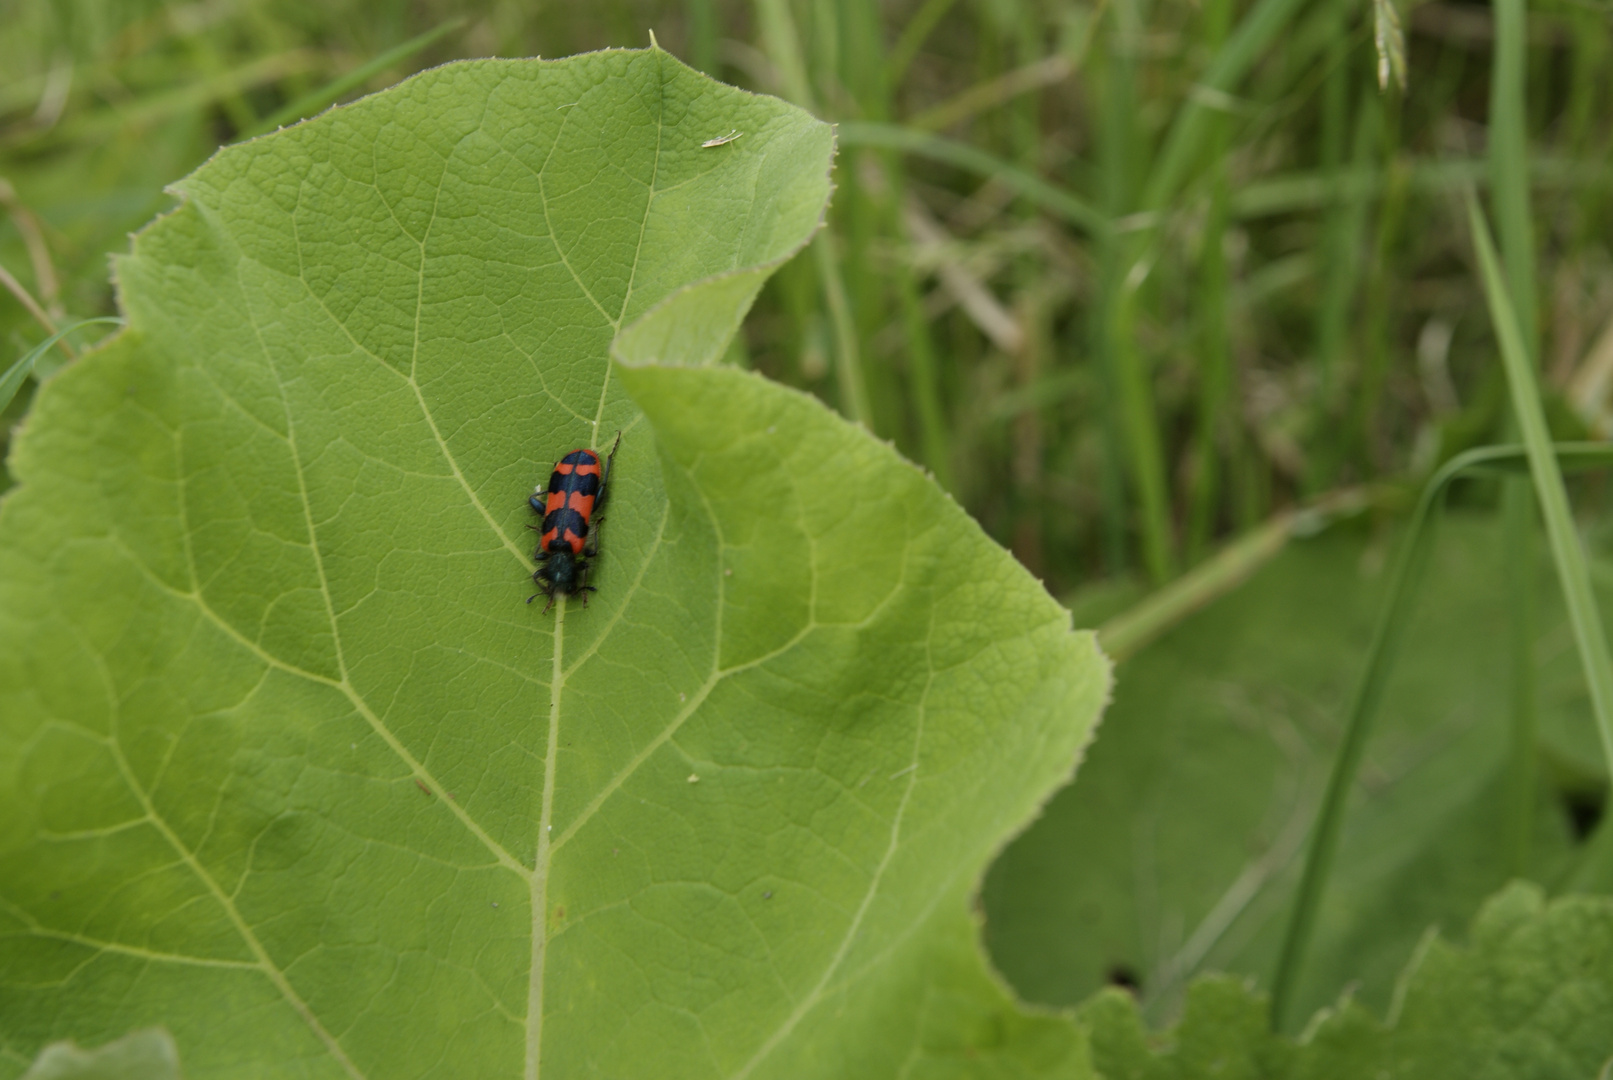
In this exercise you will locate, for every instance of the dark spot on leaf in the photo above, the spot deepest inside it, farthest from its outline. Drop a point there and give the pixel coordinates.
(1124, 976)
(1584, 807)
(422, 787)
(559, 913)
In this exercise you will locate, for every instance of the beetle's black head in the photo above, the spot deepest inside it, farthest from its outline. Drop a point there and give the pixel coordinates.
(560, 572)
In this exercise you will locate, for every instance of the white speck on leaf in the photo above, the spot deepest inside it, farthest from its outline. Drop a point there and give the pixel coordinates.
(724, 140)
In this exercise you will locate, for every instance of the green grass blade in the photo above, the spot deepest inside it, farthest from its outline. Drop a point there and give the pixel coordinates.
(1192, 125)
(925, 377)
(1382, 653)
(783, 47)
(1569, 557)
(12, 380)
(913, 36)
(1343, 230)
(1127, 633)
(311, 103)
(1145, 443)
(1124, 262)
(1300, 191)
(1508, 172)
(1048, 196)
(848, 354)
(994, 93)
(1181, 150)
(702, 35)
(781, 43)
(1521, 559)
(153, 109)
(1509, 167)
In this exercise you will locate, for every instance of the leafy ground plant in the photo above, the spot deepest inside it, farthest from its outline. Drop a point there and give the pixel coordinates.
(288, 767)
(1530, 997)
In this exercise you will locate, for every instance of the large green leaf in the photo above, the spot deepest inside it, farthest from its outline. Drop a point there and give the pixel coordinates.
(1179, 849)
(287, 764)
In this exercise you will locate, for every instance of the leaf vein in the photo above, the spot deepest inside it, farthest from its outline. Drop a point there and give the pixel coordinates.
(343, 684)
(264, 963)
(816, 993)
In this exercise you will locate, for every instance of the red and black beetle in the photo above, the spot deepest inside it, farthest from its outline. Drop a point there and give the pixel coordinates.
(576, 489)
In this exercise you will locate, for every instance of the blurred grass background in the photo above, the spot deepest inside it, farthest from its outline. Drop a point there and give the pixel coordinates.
(1128, 277)
(1151, 288)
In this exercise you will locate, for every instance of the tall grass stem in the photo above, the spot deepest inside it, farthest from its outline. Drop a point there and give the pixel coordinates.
(848, 355)
(1509, 195)
(12, 380)
(337, 88)
(1568, 555)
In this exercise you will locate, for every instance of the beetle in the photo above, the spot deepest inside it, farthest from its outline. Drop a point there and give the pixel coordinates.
(576, 489)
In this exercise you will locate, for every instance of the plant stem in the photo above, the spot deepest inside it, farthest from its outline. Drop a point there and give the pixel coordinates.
(1215, 375)
(1509, 190)
(702, 35)
(1127, 633)
(26, 299)
(330, 92)
(1518, 544)
(848, 357)
(1125, 268)
(1056, 200)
